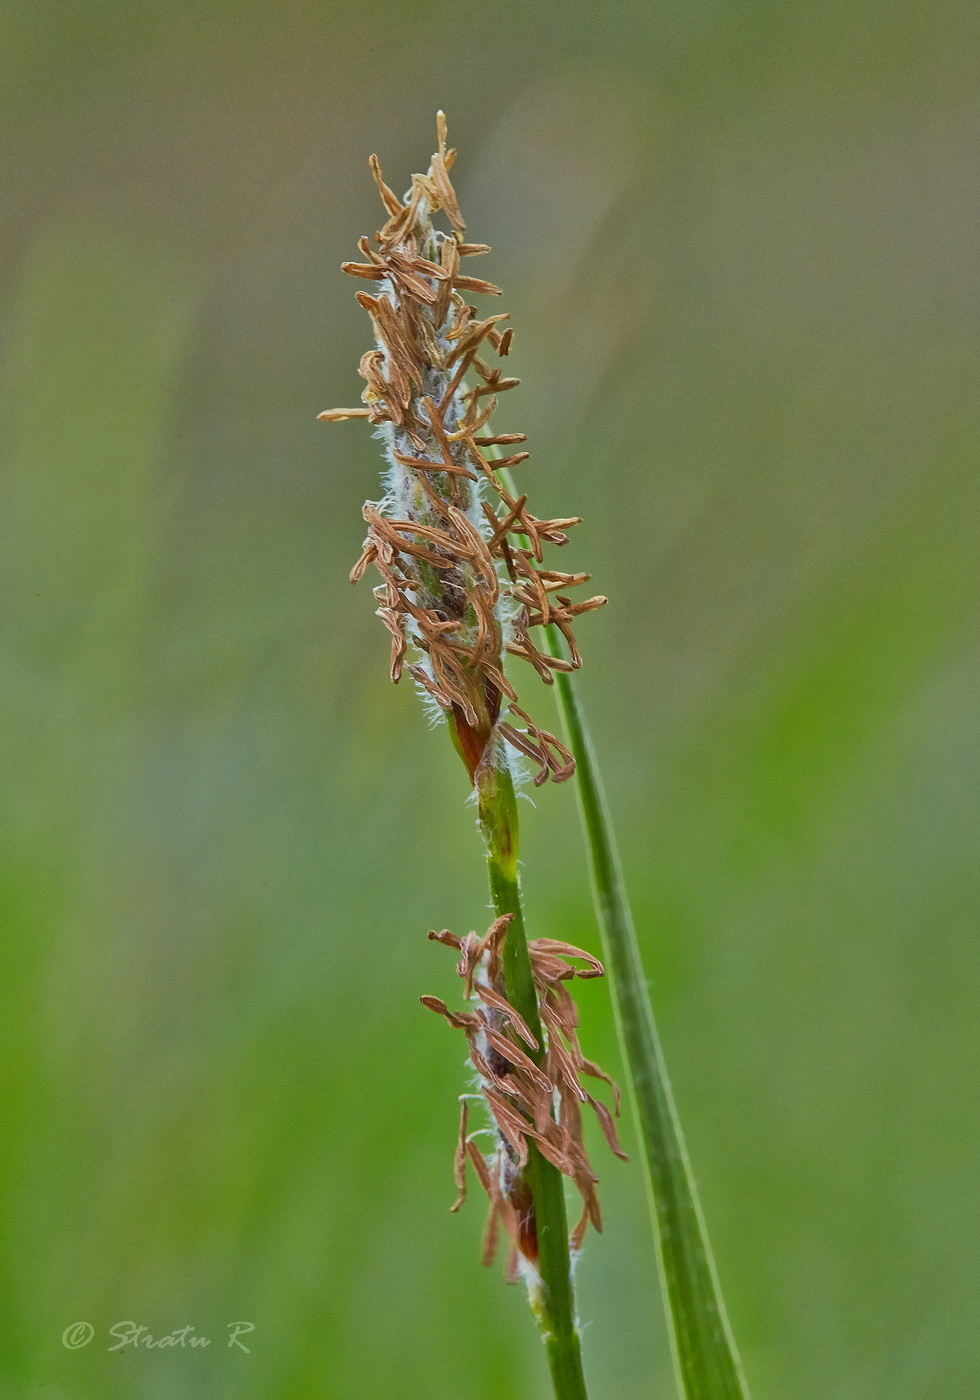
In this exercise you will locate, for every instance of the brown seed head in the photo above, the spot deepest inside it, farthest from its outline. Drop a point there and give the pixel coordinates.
(533, 1092)
(460, 557)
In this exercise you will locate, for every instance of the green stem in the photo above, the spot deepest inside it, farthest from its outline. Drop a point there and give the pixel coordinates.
(554, 1304)
(705, 1356)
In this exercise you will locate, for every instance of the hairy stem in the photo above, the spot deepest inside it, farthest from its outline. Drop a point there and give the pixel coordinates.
(554, 1303)
(705, 1356)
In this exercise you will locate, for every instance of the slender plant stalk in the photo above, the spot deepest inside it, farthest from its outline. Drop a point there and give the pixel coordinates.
(554, 1305)
(705, 1356)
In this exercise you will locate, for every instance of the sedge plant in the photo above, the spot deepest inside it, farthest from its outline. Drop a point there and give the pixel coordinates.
(465, 585)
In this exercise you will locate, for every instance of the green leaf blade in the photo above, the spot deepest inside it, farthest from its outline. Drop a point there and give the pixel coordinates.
(705, 1356)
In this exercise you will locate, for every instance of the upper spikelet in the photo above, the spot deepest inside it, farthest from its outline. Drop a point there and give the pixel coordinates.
(460, 555)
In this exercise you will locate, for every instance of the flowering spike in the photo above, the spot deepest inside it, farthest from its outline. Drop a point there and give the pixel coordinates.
(463, 585)
(527, 1101)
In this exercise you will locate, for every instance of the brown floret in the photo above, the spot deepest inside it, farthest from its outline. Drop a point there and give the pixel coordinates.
(533, 1092)
(444, 575)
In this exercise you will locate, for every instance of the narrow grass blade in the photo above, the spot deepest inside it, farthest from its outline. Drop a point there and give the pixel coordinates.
(705, 1357)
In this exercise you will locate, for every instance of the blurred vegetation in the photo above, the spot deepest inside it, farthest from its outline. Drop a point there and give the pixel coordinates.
(739, 244)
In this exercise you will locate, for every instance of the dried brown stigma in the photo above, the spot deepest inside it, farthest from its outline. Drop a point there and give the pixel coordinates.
(460, 556)
(533, 1092)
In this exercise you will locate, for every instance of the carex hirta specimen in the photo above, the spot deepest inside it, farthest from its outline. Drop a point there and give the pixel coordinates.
(465, 584)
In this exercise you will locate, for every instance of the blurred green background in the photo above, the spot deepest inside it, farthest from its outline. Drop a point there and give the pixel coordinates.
(739, 245)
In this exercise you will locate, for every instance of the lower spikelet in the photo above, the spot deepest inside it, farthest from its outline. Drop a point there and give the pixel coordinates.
(533, 1092)
(460, 556)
